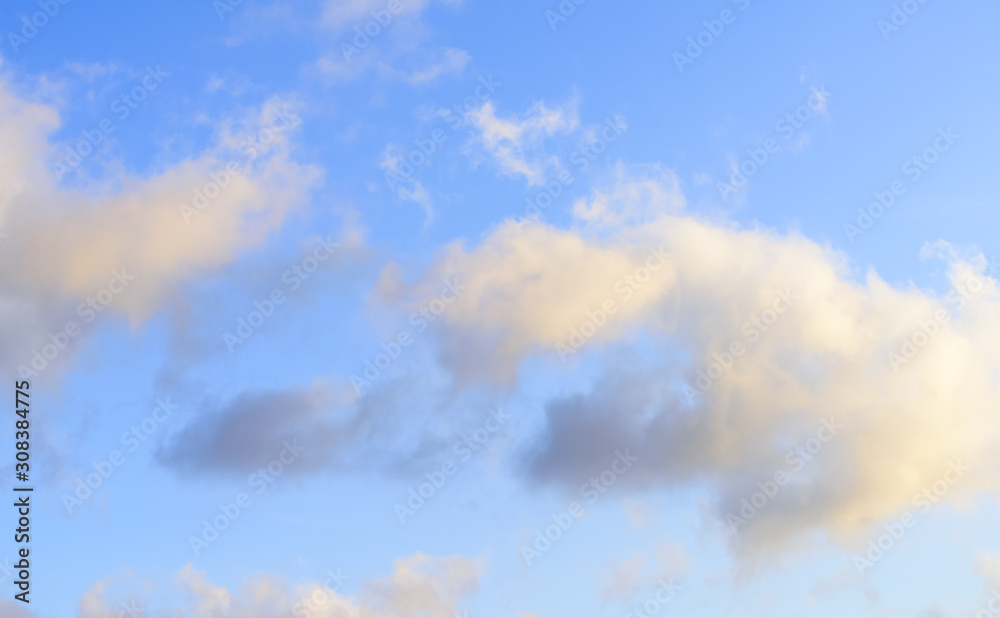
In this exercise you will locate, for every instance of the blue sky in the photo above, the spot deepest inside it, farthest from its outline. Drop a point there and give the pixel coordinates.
(592, 277)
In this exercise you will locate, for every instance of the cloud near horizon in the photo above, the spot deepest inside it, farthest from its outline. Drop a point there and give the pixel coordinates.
(420, 586)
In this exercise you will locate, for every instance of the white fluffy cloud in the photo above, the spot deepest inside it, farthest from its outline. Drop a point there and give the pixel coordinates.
(63, 245)
(515, 143)
(836, 350)
(420, 586)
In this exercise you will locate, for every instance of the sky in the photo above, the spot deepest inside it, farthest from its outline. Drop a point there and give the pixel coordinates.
(461, 309)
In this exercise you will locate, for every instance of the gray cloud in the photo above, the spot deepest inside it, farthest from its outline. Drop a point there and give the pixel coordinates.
(249, 432)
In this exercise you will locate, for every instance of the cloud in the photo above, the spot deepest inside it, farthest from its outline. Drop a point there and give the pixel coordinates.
(420, 586)
(343, 13)
(72, 241)
(836, 351)
(339, 430)
(388, 37)
(250, 431)
(636, 194)
(454, 62)
(515, 143)
(403, 184)
(407, 63)
(525, 288)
